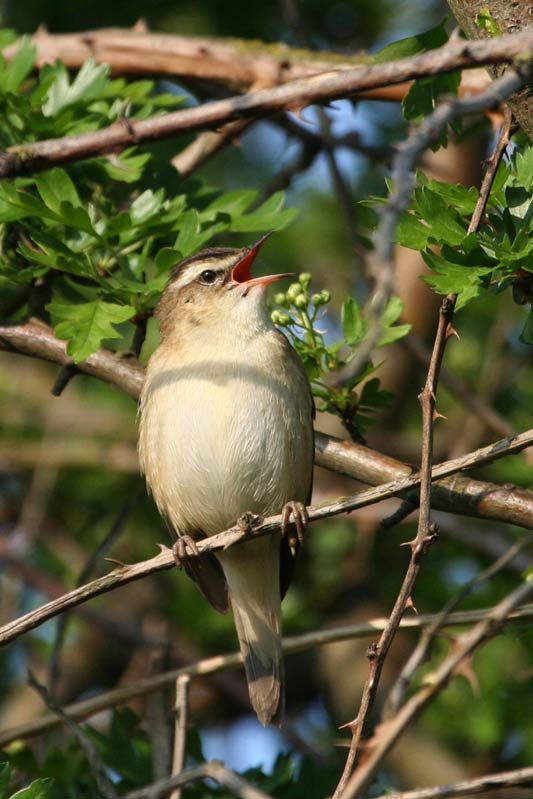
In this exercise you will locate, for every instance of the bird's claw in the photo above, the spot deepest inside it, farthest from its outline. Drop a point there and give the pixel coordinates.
(179, 550)
(294, 519)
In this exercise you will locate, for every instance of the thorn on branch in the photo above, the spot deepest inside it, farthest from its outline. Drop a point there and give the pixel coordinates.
(451, 331)
(410, 605)
(372, 651)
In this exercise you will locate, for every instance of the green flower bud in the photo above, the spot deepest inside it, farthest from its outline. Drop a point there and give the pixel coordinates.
(280, 318)
(300, 301)
(316, 299)
(305, 279)
(293, 291)
(326, 296)
(280, 298)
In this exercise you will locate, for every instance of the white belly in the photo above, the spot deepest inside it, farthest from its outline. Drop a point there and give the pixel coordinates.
(219, 439)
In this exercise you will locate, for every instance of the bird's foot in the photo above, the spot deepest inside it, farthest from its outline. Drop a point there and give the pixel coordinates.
(248, 521)
(179, 550)
(293, 523)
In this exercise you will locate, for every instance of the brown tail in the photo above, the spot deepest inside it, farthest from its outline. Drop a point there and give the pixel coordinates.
(252, 572)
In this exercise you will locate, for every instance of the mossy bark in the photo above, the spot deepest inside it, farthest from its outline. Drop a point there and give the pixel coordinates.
(510, 16)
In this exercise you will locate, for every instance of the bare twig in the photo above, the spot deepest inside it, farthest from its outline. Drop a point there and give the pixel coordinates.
(91, 752)
(214, 770)
(456, 54)
(454, 494)
(109, 539)
(388, 732)
(419, 654)
(165, 560)
(180, 734)
(491, 782)
(297, 643)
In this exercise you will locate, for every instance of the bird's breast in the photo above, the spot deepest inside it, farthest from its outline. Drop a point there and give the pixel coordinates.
(222, 435)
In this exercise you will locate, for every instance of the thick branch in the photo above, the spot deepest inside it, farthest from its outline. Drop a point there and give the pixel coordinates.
(235, 62)
(491, 782)
(456, 54)
(456, 494)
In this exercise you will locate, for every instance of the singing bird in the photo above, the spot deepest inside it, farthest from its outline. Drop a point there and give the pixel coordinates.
(226, 429)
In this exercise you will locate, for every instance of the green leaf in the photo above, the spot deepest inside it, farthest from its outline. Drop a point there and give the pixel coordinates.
(354, 327)
(443, 223)
(166, 258)
(526, 336)
(411, 232)
(88, 84)
(390, 315)
(127, 167)
(5, 774)
(39, 789)
(269, 216)
(146, 205)
(421, 99)
(56, 187)
(19, 67)
(524, 168)
(421, 43)
(486, 22)
(86, 325)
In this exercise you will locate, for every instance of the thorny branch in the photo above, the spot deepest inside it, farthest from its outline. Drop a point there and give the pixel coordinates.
(165, 560)
(403, 176)
(388, 732)
(297, 643)
(491, 782)
(456, 54)
(403, 179)
(214, 770)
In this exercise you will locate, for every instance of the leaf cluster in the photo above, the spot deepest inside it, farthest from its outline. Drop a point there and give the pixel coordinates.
(496, 257)
(97, 247)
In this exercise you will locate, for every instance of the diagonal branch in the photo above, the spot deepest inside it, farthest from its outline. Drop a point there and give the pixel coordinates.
(408, 154)
(456, 54)
(491, 782)
(165, 559)
(296, 643)
(388, 733)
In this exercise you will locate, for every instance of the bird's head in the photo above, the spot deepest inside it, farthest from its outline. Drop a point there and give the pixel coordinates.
(214, 286)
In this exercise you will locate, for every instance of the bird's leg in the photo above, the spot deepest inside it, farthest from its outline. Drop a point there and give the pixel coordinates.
(179, 550)
(293, 523)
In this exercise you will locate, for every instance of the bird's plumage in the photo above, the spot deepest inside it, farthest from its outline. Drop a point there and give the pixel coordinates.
(226, 428)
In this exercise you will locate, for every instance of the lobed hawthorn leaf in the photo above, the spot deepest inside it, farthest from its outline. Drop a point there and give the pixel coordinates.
(445, 227)
(389, 331)
(55, 187)
(411, 45)
(354, 326)
(19, 67)
(269, 216)
(89, 82)
(39, 789)
(86, 325)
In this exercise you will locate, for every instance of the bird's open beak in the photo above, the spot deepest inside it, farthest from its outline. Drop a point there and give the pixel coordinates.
(241, 271)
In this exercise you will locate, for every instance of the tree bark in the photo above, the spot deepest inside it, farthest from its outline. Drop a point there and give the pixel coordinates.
(509, 17)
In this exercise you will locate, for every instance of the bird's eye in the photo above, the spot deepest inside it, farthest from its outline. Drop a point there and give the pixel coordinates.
(208, 276)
